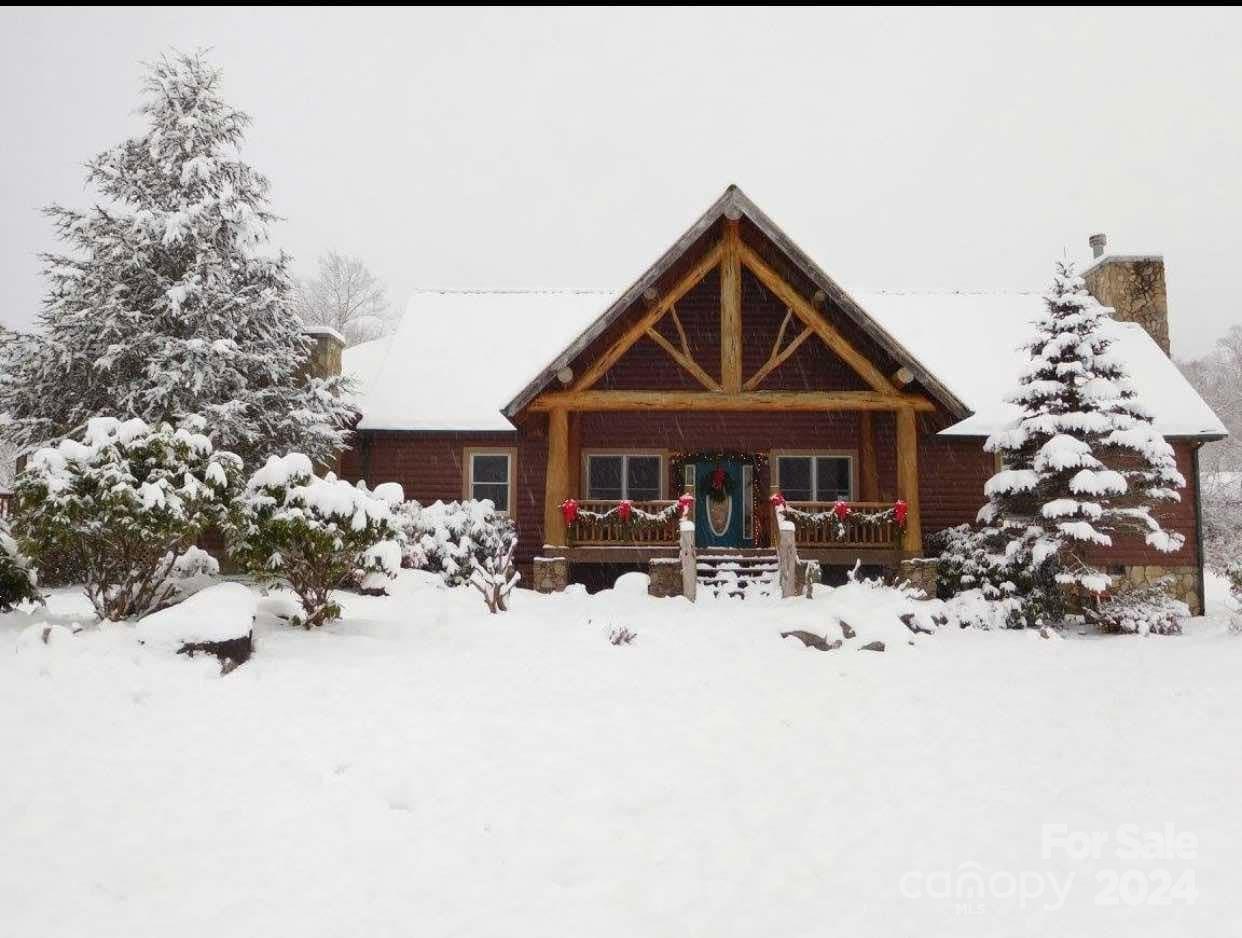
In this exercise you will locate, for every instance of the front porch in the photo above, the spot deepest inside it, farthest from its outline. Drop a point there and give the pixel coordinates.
(806, 377)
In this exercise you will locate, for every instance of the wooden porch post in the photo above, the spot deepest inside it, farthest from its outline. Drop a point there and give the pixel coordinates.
(575, 454)
(870, 481)
(908, 479)
(556, 485)
(731, 310)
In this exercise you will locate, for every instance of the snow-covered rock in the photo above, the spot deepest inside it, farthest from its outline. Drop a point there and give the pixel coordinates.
(219, 620)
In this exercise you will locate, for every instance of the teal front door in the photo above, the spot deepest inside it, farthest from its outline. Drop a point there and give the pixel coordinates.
(722, 503)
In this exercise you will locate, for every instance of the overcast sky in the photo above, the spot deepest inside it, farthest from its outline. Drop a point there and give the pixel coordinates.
(948, 149)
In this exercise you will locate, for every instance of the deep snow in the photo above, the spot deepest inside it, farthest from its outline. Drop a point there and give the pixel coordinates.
(423, 768)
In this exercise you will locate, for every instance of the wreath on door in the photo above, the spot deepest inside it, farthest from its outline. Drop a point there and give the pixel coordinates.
(719, 485)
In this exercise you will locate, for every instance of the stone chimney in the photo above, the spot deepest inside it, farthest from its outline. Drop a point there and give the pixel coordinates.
(1133, 285)
(325, 359)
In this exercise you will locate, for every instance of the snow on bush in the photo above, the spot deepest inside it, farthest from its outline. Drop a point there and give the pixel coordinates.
(125, 503)
(495, 578)
(314, 534)
(996, 578)
(1143, 609)
(18, 582)
(1083, 461)
(449, 538)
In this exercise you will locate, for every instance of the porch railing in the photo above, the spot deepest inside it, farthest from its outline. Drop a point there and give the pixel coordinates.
(854, 531)
(590, 530)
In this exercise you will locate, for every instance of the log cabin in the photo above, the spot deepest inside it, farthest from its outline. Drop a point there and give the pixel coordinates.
(734, 368)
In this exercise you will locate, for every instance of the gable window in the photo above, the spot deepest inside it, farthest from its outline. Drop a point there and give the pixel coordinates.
(489, 475)
(614, 476)
(816, 477)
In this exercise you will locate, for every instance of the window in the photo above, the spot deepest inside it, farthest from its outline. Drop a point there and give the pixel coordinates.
(489, 474)
(623, 475)
(815, 478)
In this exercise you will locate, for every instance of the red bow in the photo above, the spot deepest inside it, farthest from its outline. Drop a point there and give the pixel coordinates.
(899, 512)
(777, 500)
(569, 510)
(685, 503)
(718, 479)
(624, 508)
(841, 510)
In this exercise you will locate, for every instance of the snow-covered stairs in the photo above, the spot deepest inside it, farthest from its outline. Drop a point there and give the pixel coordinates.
(746, 572)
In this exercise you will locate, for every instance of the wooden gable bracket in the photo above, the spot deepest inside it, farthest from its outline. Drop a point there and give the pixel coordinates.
(646, 323)
(682, 356)
(779, 355)
(803, 309)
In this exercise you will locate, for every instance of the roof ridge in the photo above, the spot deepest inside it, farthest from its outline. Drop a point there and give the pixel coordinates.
(949, 291)
(516, 291)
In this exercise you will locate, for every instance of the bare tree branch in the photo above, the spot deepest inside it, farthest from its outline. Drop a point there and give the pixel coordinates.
(345, 295)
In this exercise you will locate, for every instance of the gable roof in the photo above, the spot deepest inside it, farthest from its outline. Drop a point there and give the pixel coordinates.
(458, 353)
(734, 204)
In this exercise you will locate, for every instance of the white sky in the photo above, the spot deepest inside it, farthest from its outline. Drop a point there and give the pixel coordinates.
(509, 148)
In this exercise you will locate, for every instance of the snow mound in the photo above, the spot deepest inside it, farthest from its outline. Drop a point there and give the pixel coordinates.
(41, 636)
(220, 613)
(632, 584)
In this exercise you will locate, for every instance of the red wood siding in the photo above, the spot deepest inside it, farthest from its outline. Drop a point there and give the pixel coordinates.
(952, 470)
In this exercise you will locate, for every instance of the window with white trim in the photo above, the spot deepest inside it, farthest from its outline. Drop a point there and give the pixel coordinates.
(491, 477)
(814, 478)
(614, 476)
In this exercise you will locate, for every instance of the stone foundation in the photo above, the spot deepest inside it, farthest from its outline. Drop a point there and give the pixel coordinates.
(807, 574)
(665, 577)
(1183, 582)
(921, 573)
(551, 574)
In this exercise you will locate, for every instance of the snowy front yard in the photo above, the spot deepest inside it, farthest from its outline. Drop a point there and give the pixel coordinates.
(422, 768)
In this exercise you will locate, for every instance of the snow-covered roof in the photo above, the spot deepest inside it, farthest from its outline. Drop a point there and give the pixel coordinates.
(458, 356)
(324, 330)
(972, 342)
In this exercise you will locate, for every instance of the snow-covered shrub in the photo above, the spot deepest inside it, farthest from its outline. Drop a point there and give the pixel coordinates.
(194, 563)
(125, 502)
(495, 577)
(989, 567)
(18, 582)
(1142, 608)
(1083, 460)
(314, 534)
(448, 538)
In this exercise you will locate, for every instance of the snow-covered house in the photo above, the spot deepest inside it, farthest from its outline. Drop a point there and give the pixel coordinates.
(734, 365)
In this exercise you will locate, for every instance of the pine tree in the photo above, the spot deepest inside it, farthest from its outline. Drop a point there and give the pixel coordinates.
(1083, 461)
(169, 301)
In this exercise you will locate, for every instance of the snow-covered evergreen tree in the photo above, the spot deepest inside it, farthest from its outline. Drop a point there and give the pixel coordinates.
(1083, 461)
(169, 300)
